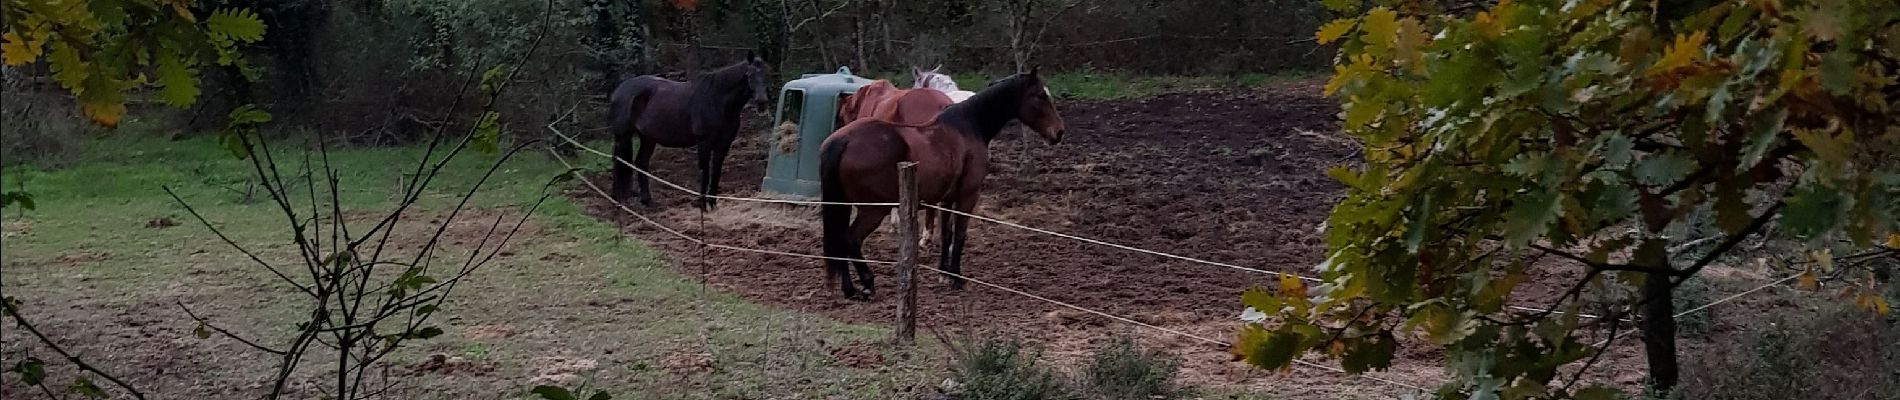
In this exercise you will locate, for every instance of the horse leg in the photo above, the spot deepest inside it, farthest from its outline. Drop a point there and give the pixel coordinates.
(837, 239)
(623, 151)
(643, 161)
(944, 243)
(720, 151)
(930, 224)
(957, 229)
(705, 153)
(869, 218)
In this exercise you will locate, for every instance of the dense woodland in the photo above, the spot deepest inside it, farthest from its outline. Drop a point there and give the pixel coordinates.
(377, 71)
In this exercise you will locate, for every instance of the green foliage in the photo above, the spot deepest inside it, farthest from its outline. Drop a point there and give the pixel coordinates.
(24, 199)
(32, 370)
(97, 49)
(1585, 125)
(1124, 370)
(1693, 293)
(1005, 370)
(465, 32)
(240, 131)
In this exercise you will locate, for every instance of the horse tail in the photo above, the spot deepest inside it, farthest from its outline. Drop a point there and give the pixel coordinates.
(626, 101)
(837, 217)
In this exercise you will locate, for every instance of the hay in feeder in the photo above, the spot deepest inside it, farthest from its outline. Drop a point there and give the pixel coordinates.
(787, 134)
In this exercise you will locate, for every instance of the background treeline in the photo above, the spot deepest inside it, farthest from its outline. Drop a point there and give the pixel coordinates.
(380, 71)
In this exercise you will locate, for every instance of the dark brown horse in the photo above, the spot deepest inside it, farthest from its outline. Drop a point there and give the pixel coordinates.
(703, 114)
(859, 164)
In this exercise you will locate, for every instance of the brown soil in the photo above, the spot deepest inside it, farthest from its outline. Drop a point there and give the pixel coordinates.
(1236, 177)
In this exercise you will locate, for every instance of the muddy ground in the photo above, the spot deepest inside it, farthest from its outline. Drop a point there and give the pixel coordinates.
(1230, 176)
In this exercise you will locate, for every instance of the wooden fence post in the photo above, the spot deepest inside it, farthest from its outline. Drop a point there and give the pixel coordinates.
(906, 252)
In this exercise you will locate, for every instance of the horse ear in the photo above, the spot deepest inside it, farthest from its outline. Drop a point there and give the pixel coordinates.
(937, 69)
(1034, 69)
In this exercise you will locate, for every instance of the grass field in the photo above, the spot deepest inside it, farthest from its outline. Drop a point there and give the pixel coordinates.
(100, 266)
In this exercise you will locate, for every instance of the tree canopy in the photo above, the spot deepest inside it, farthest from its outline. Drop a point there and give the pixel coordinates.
(100, 49)
(1585, 130)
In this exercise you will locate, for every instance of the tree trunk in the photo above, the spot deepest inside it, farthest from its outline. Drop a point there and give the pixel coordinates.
(857, 35)
(1659, 333)
(884, 23)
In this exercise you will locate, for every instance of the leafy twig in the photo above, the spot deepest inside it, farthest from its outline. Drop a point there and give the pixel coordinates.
(13, 312)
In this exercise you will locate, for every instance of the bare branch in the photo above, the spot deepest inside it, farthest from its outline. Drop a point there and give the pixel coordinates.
(226, 333)
(227, 240)
(8, 308)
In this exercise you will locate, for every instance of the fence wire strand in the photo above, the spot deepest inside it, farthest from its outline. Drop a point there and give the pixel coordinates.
(610, 199)
(1168, 255)
(603, 194)
(1729, 298)
(1038, 230)
(596, 189)
(695, 193)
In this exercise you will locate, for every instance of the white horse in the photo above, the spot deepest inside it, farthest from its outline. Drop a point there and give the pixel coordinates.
(938, 81)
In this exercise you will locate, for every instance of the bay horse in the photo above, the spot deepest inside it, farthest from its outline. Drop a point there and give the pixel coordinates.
(882, 100)
(703, 114)
(859, 162)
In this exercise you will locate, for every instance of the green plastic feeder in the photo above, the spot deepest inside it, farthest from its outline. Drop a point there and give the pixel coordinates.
(810, 103)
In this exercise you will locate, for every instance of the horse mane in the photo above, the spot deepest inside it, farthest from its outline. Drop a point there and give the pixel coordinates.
(715, 90)
(986, 113)
(723, 77)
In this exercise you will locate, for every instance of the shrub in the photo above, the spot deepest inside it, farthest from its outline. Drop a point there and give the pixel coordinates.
(1124, 370)
(1005, 370)
(1836, 353)
(1694, 293)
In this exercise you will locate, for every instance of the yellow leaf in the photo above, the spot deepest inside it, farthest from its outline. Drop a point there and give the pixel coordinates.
(1334, 30)
(1684, 52)
(1381, 27)
(1880, 305)
(1893, 240)
(183, 13)
(1487, 24)
(1290, 285)
(1828, 148)
(18, 50)
(1807, 281)
(103, 100)
(1411, 45)
(105, 114)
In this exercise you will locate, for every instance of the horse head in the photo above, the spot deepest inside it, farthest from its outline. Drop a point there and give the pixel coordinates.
(1038, 107)
(866, 97)
(756, 69)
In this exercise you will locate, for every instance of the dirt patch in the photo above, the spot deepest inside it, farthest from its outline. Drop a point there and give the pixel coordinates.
(161, 223)
(13, 227)
(560, 369)
(858, 355)
(485, 332)
(687, 363)
(1230, 176)
(442, 364)
(81, 258)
